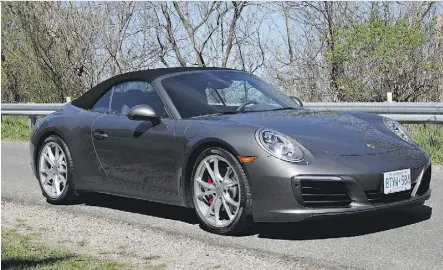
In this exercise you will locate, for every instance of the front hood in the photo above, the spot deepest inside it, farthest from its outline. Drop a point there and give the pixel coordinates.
(332, 132)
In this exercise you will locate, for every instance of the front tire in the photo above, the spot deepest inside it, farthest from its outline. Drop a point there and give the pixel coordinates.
(221, 193)
(55, 169)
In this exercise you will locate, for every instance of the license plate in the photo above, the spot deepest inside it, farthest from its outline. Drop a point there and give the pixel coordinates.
(397, 181)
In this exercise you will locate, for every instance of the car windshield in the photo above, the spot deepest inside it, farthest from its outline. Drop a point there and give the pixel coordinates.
(222, 91)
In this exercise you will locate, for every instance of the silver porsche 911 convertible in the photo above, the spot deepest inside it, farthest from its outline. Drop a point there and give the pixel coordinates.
(228, 145)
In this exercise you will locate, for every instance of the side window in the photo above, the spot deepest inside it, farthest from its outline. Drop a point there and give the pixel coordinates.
(102, 105)
(129, 94)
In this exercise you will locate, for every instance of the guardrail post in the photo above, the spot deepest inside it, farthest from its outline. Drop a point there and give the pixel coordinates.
(389, 96)
(32, 120)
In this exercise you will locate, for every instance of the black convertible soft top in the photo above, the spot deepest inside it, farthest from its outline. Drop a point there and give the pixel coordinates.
(88, 99)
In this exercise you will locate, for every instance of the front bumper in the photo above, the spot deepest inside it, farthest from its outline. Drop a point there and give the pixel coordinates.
(296, 215)
(279, 196)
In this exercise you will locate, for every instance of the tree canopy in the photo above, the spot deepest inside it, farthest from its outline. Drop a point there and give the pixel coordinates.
(320, 51)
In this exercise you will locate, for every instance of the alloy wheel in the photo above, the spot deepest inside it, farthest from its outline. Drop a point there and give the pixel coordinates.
(216, 191)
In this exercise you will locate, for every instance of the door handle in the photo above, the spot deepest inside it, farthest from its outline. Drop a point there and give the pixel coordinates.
(100, 135)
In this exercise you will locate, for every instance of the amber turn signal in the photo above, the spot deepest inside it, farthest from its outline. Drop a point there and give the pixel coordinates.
(246, 159)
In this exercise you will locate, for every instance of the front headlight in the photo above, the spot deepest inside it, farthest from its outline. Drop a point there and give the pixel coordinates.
(397, 129)
(279, 145)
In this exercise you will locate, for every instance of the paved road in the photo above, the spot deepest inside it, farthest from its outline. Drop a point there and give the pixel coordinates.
(411, 239)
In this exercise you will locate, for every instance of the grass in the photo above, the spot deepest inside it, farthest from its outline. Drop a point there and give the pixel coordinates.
(15, 128)
(429, 136)
(22, 252)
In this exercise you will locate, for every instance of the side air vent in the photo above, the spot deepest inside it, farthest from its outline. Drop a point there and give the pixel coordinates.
(324, 193)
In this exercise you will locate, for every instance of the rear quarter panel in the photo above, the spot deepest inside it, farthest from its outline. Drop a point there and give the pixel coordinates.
(73, 125)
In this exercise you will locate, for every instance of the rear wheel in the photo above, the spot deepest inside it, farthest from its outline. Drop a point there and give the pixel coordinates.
(221, 192)
(55, 171)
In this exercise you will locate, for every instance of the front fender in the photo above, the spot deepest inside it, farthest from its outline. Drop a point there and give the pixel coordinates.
(197, 136)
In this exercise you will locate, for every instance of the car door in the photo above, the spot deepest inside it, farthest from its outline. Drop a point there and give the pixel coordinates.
(89, 172)
(138, 155)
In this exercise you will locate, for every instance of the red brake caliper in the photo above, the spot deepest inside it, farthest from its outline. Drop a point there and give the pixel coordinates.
(212, 198)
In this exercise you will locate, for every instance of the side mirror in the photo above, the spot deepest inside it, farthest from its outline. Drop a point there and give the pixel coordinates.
(143, 112)
(297, 100)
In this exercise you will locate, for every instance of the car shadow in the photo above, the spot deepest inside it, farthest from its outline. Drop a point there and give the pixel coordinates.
(141, 207)
(343, 226)
(324, 228)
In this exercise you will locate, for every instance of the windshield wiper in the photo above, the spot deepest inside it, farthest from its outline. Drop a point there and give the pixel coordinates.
(277, 109)
(230, 112)
(215, 114)
(282, 109)
(237, 112)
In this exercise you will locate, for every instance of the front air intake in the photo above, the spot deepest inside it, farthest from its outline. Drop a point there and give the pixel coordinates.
(324, 193)
(377, 196)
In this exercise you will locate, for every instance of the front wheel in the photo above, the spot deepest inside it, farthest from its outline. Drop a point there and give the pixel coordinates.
(221, 192)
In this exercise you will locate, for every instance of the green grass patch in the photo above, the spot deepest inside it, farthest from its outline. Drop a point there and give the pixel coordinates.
(15, 127)
(22, 252)
(430, 137)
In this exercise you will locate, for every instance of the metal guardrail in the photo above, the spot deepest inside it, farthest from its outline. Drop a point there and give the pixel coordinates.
(41, 108)
(30, 109)
(405, 112)
(380, 107)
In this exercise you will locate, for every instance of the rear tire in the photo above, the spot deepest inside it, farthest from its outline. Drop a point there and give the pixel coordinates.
(221, 194)
(55, 171)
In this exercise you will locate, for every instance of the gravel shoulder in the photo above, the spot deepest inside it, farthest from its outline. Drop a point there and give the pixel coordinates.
(139, 247)
(24, 251)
